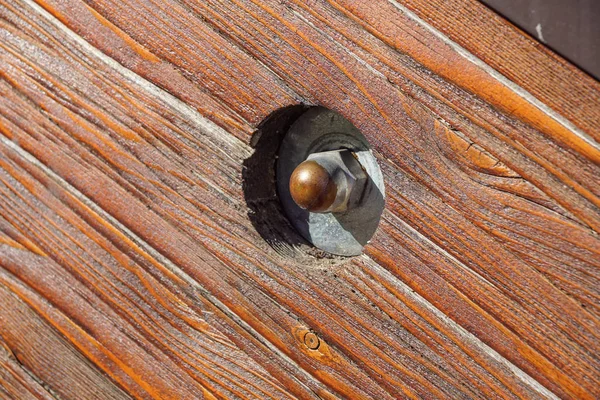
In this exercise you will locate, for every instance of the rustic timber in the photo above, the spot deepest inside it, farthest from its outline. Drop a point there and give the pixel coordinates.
(125, 129)
(41, 359)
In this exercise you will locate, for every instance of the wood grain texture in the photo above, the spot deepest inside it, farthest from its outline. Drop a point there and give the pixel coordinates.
(15, 382)
(126, 231)
(520, 58)
(41, 360)
(564, 27)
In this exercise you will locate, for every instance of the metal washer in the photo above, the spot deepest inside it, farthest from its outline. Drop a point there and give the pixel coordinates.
(345, 234)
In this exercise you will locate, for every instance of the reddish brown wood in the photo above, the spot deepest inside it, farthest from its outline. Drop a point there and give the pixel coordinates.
(530, 65)
(15, 382)
(127, 234)
(40, 359)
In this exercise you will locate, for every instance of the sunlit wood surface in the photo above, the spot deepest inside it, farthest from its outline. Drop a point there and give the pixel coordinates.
(136, 263)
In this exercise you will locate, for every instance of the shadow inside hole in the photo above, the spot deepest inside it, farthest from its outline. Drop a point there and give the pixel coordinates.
(260, 187)
(343, 234)
(293, 133)
(362, 230)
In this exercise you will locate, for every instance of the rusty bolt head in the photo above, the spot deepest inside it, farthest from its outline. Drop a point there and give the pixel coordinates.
(326, 180)
(312, 187)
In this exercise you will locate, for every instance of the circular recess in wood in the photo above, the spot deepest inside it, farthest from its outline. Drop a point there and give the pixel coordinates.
(345, 182)
(332, 226)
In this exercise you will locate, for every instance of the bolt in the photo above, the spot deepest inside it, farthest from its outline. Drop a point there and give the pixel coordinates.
(330, 181)
(312, 187)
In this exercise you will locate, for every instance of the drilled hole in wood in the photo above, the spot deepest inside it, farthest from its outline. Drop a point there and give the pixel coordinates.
(260, 191)
(329, 182)
(286, 141)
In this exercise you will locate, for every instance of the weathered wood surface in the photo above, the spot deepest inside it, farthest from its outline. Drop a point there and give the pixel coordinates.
(131, 262)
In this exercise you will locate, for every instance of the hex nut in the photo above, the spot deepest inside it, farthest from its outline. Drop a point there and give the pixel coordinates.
(328, 182)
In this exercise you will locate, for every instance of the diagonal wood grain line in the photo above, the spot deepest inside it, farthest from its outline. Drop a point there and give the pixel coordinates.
(117, 11)
(17, 382)
(486, 87)
(501, 78)
(132, 244)
(145, 246)
(290, 287)
(194, 117)
(205, 124)
(36, 344)
(550, 77)
(465, 335)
